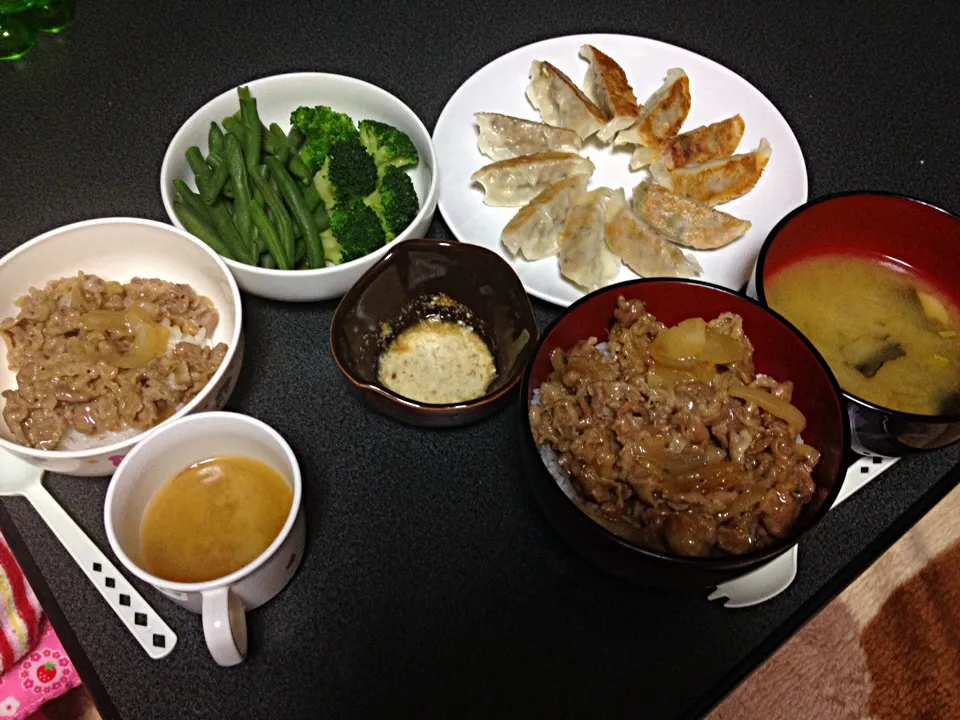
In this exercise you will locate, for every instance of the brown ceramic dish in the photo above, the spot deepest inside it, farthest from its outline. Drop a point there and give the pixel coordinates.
(391, 294)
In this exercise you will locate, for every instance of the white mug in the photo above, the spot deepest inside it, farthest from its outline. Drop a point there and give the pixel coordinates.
(164, 453)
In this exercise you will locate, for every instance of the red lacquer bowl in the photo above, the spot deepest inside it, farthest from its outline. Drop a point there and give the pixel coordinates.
(913, 233)
(780, 351)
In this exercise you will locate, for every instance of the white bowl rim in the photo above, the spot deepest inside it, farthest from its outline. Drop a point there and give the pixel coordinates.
(428, 205)
(122, 445)
(254, 564)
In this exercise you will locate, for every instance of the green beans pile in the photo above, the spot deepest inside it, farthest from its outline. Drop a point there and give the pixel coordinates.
(255, 201)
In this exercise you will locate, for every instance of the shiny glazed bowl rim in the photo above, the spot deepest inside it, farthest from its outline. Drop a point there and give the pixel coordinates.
(761, 295)
(427, 206)
(721, 562)
(440, 408)
(232, 346)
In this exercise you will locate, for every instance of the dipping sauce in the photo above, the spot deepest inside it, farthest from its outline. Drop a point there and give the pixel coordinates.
(888, 336)
(213, 518)
(438, 361)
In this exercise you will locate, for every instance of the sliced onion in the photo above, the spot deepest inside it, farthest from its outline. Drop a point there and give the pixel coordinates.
(745, 501)
(704, 372)
(665, 376)
(149, 338)
(140, 352)
(773, 405)
(720, 476)
(104, 320)
(683, 341)
(933, 308)
(721, 349)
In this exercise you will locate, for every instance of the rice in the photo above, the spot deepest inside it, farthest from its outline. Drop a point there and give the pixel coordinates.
(552, 462)
(74, 441)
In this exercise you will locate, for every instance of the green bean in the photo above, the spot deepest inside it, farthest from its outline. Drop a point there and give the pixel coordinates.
(280, 215)
(268, 142)
(298, 208)
(192, 200)
(321, 218)
(270, 237)
(252, 124)
(311, 196)
(258, 247)
(227, 229)
(197, 226)
(241, 190)
(233, 125)
(213, 186)
(261, 172)
(299, 168)
(215, 139)
(300, 252)
(218, 217)
(267, 261)
(294, 137)
(278, 143)
(243, 92)
(196, 162)
(294, 163)
(201, 170)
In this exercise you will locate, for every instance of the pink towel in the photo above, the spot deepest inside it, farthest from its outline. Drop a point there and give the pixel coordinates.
(34, 664)
(43, 674)
(20, 613)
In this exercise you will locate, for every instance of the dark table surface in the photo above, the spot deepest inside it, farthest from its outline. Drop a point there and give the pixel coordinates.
(432, 585)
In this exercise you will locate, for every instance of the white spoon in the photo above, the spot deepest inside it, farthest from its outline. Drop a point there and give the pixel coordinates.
(153, 634)
(769, 580)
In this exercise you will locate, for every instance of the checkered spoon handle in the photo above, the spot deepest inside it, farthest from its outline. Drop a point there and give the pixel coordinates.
(153, 634)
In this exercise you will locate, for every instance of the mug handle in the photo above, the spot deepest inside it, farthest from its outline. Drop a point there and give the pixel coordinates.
(224, 626)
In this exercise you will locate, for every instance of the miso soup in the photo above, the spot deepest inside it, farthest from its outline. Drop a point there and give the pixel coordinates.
(889, 337)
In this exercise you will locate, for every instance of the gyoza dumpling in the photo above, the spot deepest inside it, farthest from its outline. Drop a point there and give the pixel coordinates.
(560, 102)
(684, 220)
(641, 247)
(704, 143)
(536, 226)
(716, 181)
(514, 182)
(606, 84)
(503, 137)
(663, 113)
(584, 256)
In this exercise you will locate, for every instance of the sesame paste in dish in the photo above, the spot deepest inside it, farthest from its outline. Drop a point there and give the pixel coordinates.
(438, 361)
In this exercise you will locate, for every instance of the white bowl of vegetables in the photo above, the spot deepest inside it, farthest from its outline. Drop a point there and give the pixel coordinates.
(301, 181)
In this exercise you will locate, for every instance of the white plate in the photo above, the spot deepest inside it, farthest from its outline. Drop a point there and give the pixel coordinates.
(716, 93)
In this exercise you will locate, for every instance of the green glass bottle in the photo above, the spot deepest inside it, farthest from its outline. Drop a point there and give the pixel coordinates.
(51, 16)
(16, 35)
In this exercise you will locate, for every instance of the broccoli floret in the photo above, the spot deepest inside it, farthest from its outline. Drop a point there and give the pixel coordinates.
(395, 201)
(387, 144)
(354, 230)
(348, 172)
(321, 127)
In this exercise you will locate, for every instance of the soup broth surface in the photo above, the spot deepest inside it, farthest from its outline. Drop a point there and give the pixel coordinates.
(213, 518)
(889, 337)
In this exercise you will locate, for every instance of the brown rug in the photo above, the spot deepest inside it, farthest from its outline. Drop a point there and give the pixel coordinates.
(887, 648)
